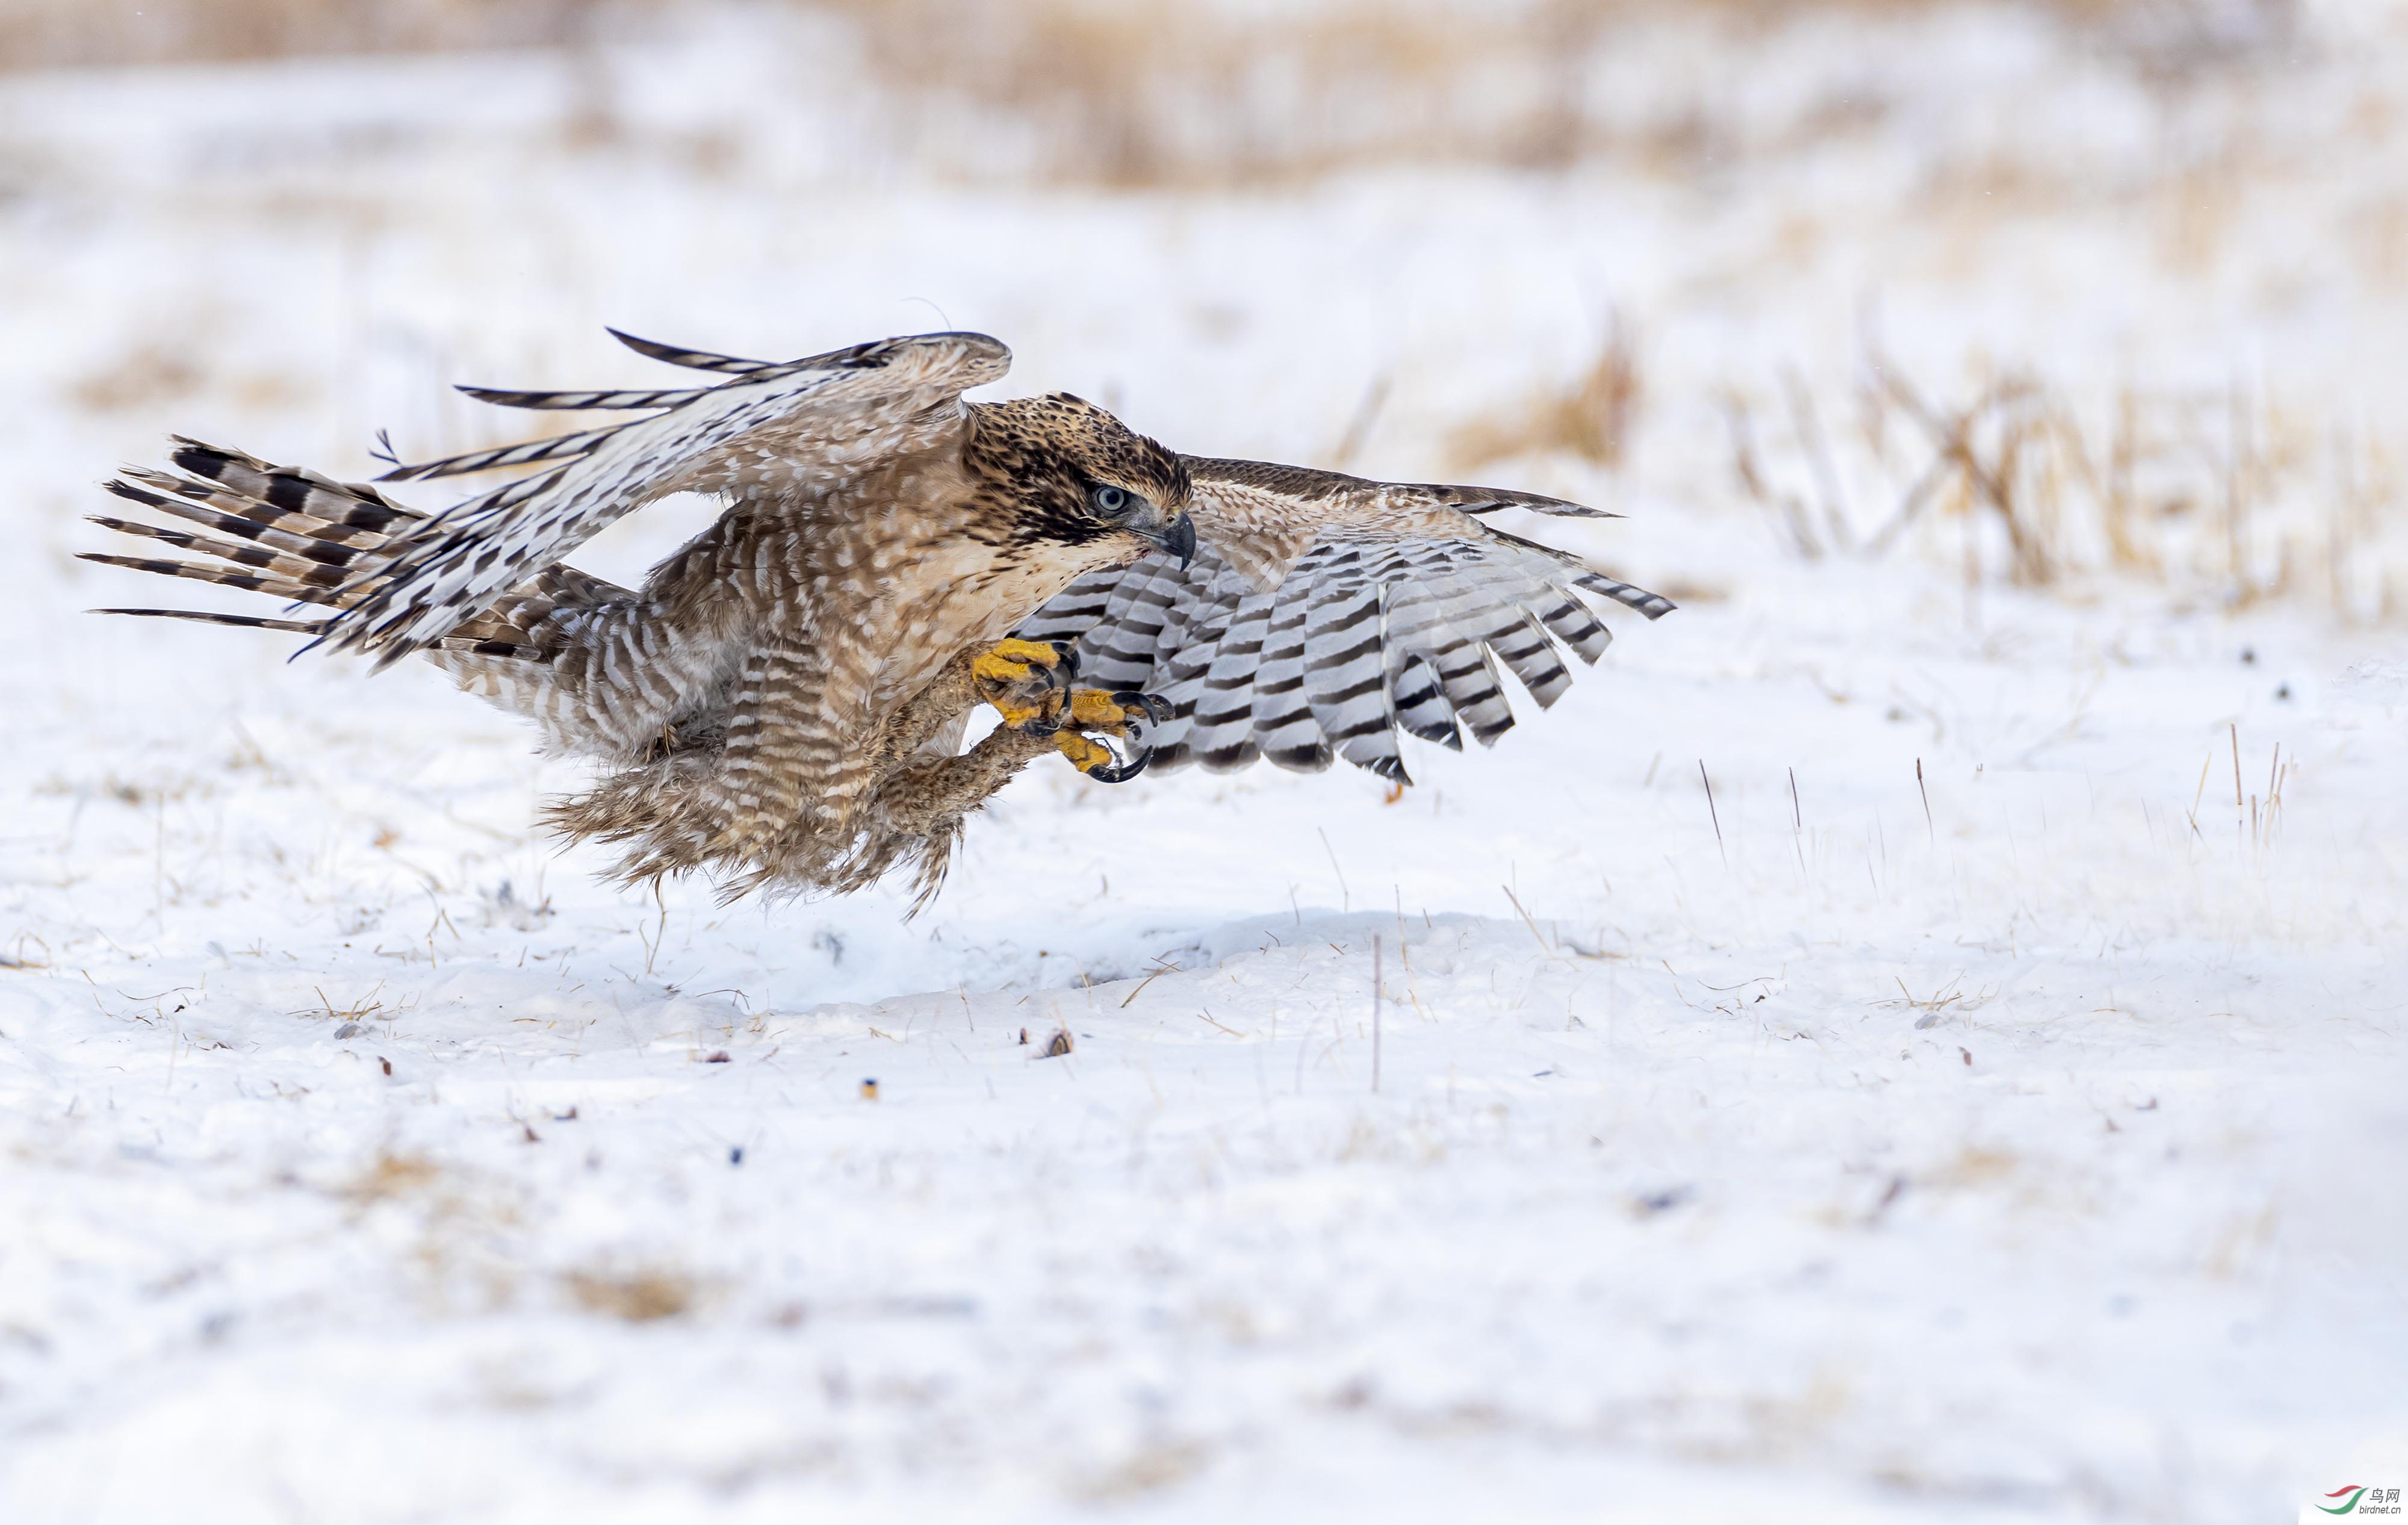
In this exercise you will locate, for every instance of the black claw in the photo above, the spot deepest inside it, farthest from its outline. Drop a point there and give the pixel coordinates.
(1156, 708)
(1122, 772)
(1066, 662)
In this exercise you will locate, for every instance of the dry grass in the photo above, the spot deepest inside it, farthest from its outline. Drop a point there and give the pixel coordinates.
(1172, 93)
(67, 33)
(2228, 496)
(639, 1297)
(390, 1176)
(1164, 92)
(1591, 418)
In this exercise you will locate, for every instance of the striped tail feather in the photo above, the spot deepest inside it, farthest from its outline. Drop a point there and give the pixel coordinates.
(295, 535)
(309, 581)
(275, 491)
(201, 616)
(222, 508)
(201, 572)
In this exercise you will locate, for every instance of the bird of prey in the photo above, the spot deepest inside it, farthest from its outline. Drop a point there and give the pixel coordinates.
(782, 703)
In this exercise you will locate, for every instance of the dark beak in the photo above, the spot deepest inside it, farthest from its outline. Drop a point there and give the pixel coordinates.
(1177, 537)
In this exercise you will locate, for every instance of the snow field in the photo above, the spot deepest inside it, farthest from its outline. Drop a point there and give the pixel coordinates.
(2018, 1143)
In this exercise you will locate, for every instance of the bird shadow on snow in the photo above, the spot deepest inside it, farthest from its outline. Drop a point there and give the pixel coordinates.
(1113, 968)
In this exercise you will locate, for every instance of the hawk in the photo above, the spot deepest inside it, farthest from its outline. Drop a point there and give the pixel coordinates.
(782, 703)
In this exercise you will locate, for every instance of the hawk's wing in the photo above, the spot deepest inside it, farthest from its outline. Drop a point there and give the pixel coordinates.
(768, 426)
(1321, 613)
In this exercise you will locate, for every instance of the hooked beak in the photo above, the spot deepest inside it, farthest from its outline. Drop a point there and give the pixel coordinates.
(1178, 536)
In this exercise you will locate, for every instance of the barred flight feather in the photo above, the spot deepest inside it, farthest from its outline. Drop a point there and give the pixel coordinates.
(765, 425)
(1393, 610)
(584, 402)
(503, 455)
(691, 359)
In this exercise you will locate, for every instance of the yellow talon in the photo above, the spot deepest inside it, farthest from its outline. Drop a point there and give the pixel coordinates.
(1094, 707)
(1085, 755)
(1015, 661)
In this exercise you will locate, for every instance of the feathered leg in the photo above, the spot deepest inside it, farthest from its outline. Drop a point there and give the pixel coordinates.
(917, 810)
(738, 808)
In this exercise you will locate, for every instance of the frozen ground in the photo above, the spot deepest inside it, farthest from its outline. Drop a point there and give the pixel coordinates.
(2023, 1144)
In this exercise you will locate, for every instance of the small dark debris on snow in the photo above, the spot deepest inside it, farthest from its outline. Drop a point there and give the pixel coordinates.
(718, 1055)
(387, 1064)
(568, 1116)
(2282, 691)
(1967, 1054)
(1661, 1202)
(1058, 1044)
(736, 1154)
(869, 1090)
(532, 1136)
(1891, 1193)
(349, 1030)
(2248, 656)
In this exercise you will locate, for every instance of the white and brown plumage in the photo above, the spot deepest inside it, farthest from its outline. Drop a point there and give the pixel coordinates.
(783, 701)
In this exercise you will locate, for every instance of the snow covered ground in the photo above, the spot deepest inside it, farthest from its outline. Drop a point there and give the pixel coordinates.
(1988, 1106)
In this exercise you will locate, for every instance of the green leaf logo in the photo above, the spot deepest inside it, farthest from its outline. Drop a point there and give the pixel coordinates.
(2352, 1489)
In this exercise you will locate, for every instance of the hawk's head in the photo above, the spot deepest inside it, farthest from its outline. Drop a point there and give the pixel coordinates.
(1075, 477)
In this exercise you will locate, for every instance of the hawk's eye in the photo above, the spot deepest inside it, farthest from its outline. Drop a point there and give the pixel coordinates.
(1113, 501)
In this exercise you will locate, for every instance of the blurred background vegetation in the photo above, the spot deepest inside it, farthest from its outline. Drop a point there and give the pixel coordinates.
(1174, 92)
(2054, 291)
